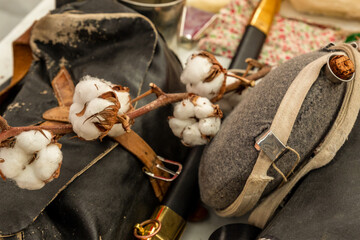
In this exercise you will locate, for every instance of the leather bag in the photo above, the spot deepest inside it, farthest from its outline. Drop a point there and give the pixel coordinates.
(101, 192)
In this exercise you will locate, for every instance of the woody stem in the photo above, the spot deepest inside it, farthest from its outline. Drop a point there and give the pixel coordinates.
(14, 131)
(153, 89)
(162, 100)
(251, 78)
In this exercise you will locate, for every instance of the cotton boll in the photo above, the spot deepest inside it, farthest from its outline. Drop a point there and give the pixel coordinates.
(203, 108)
(83, 125)
(28, 180)
(74, 109)
(207, 89)
(96, 105)
(14, 161)
(116, 130)
(47, 162)
(196, 70)
(184, 109)
(33, 141)
(89, 88)
(86, 129)
(178, 125)
(209, 126)
(124, 99)
(192, 135)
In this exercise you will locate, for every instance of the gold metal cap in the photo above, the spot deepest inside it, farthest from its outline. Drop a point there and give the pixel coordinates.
(263, 15)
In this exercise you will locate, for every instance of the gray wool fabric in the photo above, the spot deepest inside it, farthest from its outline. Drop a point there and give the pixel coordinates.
(228, 160)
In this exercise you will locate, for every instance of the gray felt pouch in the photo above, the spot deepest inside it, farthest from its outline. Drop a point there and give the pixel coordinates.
(307, 117)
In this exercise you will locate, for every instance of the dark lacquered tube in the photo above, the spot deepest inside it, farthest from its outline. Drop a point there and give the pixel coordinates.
(180, 199)
(250, 47)
(184, 192)
(255, 33)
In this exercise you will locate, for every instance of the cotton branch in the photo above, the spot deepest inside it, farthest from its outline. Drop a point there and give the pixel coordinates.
(162, 100)
(253, 77)
(14, 131)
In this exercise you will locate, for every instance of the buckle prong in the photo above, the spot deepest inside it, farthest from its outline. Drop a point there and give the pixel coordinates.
(174, 174)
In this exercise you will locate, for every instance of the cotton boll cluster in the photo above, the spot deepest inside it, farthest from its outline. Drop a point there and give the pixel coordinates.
(32, 161)
(96, 107)
(195, 121)
(204, 76)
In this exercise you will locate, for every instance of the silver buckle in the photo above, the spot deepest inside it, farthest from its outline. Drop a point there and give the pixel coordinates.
(270, 145)
(174, 174)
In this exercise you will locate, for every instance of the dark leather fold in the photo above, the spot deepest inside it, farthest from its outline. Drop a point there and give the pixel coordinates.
(95, 196)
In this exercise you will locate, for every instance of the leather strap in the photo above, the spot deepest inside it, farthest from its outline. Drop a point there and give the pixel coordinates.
(22, 61)
(137, 146)
(64, 91)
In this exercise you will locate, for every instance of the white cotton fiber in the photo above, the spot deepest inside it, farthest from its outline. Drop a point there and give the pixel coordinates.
(33, 141)
(28, 180)
(75, 108)
(86, 97)
(178, 125)
(116, 130)
(14, 160)
(86, 129)
(89, 88)
(47, 162)
(184, 109)
(83, 125)
(207, 89)
(96, 105)
(196, 70)
(203, 108)
(192, 136)
(209, 126)
(124, 99)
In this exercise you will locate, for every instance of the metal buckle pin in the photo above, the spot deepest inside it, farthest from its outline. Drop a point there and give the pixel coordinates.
(174, 174)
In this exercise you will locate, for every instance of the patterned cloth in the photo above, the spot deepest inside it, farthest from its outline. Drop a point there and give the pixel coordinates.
(287, 38)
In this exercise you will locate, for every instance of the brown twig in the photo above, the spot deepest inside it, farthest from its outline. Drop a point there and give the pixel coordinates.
(153, 89)
(259, 74)
(242, 79)
(253, 77)
(14, 131)
(251, 63)
(162, 100)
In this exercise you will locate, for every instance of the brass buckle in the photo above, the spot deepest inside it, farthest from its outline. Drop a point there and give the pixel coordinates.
(147, 229)
(174, 174)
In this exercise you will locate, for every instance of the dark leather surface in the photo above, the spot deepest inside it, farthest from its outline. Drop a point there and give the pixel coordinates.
(326, 204)
(235, 231)
(112, 195)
